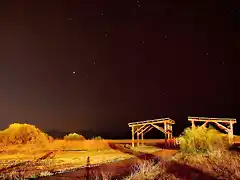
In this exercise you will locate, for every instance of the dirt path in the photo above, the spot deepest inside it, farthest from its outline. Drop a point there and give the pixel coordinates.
(115, 170)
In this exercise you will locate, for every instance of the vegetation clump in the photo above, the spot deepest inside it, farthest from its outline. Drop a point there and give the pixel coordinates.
(97, 138)
(74, 136)
(202, 139)
(23, 134)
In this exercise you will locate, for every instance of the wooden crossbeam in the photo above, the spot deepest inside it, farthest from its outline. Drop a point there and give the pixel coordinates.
(154, 121)
(137, 131)
(204, 124)
(145, 129)
(148, 130)
(159, 128)
(222, 127)
(203, 119)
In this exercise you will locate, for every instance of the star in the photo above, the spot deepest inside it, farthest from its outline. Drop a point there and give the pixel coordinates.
(74, 72)
(165, 37)
(69, 18)
(206, 54)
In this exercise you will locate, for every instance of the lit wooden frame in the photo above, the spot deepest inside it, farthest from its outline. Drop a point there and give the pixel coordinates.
(217, 121)
(142, 127)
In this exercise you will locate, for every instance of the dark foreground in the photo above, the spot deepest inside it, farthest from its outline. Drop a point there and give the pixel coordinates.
(116, 170)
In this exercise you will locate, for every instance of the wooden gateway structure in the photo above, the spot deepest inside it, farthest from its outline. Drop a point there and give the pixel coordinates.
(142, 127)
(225, 124)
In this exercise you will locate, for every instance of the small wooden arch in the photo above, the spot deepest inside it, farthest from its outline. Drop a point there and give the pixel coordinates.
(142, 127)
(220, 122)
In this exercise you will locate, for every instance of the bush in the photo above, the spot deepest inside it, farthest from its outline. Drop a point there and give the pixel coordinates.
(23, 134)
(97, 138)
(202, 139)
(74, 136)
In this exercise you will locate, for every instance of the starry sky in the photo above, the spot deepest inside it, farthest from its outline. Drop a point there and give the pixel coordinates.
(99, 64)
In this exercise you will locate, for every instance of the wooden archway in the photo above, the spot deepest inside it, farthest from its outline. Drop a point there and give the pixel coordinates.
(142, 127)
(221, 123)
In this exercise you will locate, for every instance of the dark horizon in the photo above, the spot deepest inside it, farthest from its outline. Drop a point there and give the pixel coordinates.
(99, 64)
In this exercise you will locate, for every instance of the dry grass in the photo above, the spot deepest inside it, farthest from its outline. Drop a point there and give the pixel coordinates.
(86, 145)
(150, 171)
(145, 149)
(220, 164)
(203, 153)
(98, 151)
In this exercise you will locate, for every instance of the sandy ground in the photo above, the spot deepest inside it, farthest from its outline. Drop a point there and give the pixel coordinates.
(116, 170)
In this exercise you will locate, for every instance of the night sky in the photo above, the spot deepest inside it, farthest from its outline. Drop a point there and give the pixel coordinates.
(99, 64)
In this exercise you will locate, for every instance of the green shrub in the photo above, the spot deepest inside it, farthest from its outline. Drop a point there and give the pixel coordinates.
(74, 136)
(23, 134)
(97, 138)
(202, 139)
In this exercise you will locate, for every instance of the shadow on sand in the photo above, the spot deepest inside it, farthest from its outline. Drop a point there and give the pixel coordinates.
(183, 171)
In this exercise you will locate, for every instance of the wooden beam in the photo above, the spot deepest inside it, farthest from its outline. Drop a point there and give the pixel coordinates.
(204, 124)
(203, 119)
(137, 131)
(170, 128)
(230, 134)
(142, 138)
(165, 130)
(148, 130)
(154, 121)
(144, 129)
(193, 124)
(159, 128)
(222, 127)
(137, 139)
(133, 136)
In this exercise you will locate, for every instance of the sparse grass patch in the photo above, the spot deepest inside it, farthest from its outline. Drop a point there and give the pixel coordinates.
(220, 164)
(85, 145)
(145, 149)
(148, 170)
(62, 161)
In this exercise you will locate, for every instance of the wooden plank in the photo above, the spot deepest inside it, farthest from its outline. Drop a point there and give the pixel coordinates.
(159, 128)
(137, 131)
(155, 121)
(203, 119)
(222, 127)
(145, 130)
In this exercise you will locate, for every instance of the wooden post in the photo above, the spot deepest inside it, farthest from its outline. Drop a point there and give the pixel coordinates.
(230, 134)
(142, 138)
(165, 132)
(193, 124)
(137, 139)
(170, 128)
(132, 136)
